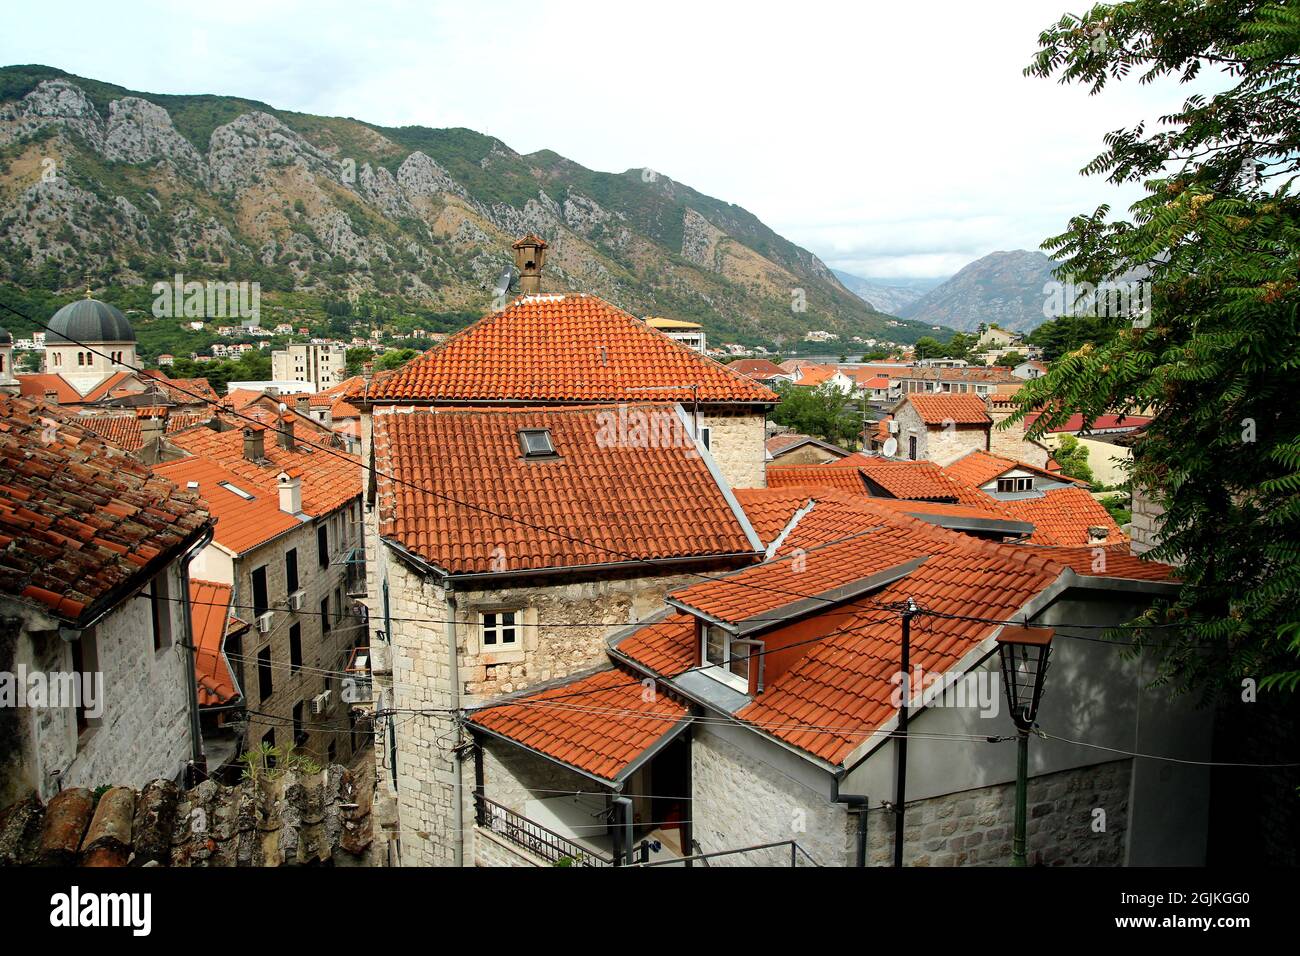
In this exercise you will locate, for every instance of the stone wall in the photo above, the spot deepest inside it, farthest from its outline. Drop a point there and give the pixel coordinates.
(738, 801)
(144, 729)
(491, 850)
(737, 441)
(1011, 443)
(974, 827)
(321, 650)
(1148, 514)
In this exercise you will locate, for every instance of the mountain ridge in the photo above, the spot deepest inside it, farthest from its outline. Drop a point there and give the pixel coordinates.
(1004, 287)
(329, 207)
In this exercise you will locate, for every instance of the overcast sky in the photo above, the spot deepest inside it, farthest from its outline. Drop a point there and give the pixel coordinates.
(895, 139)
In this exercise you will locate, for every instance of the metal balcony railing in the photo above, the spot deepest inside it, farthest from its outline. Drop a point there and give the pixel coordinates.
(533, 837)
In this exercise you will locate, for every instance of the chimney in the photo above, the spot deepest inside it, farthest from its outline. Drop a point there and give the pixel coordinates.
(286, 430)
(530, 256)
(254, 446)
(303, 404)
(290, 487)
(52, 396)
(151, 429)
(1098, 534)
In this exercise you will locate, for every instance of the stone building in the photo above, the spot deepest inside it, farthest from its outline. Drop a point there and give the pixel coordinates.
(88, 322)
(760, 708)
(95, 673)
(502, 546)
(940, 428)
(288, 544)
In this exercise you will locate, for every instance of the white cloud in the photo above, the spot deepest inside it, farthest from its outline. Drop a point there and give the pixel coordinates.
(890, 141)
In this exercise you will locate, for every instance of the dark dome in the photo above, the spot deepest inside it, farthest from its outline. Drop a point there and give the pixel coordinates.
(89, 320)
(5, 338)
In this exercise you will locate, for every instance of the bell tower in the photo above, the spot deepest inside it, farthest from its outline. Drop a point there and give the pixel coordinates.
(530, 256)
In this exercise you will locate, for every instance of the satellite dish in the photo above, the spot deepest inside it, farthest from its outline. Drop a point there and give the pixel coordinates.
(890, 447)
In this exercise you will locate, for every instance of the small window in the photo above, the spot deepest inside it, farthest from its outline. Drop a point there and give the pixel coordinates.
(325, 616)
(911, 447)
(299, 734)
(1006, 484)
(261, 600)
(264, 685)
(536, 443)
(236, 490)
(295, 647)
(160, 613)
(323, 545)
(291, 569)
(1024, 484)
(500, 629)
(706, 436)
(728, 657)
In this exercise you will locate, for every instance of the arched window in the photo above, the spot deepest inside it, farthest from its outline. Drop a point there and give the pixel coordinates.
(81, 358)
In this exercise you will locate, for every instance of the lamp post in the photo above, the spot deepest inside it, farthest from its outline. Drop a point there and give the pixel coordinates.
(1024, 653)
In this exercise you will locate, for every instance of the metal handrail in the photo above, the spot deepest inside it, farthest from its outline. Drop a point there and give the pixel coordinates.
(531, 836)
(795, 850)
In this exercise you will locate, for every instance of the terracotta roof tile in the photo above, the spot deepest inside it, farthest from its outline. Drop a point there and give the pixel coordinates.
(1062, 516)
(126, 431)
(79, 519)
(936, 409)
(36, 385)
(980, 467)
(330, 478)
(563, 348)
(600, 732)
(241, 524)
(1110, 561)
(606, 500)
(832, 475)
(209, 615)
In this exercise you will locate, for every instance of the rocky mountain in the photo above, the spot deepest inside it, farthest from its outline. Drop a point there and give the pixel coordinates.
(1002, 287)
(128, 188)
(886, 295)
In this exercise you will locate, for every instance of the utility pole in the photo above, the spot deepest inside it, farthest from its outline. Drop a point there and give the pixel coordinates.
(900, 734)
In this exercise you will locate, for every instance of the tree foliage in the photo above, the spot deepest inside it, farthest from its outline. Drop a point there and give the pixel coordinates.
(1217, 233)
(1072, 456)
(823, 412)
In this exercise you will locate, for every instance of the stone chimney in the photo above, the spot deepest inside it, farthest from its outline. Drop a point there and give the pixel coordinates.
(1097, 534)
(530, 256)
(52, 396)
(290, 487)
(286, 430)
(302, 404)
(254, 443)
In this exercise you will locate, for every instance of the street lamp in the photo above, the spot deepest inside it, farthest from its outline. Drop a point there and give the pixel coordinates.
(1024, 652)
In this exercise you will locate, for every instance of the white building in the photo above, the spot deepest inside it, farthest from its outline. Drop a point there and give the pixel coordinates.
(88, 341)
(321, 364)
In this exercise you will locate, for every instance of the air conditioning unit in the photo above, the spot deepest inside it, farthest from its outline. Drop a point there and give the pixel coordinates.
(264, 622)
(296, 599)
(893, 428)
(320, 704)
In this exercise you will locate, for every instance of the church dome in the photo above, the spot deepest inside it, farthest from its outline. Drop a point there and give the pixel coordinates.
(6, 338)
(91, 321)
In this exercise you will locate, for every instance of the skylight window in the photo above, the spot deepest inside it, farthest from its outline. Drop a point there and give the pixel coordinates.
(536, 443)
(236, 490)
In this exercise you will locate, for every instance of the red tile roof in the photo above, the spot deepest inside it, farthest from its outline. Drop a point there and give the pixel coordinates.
(599, 723)
(833, 475)
(327, 396)
(330, 479)
(981, 467)
(242, 524)
(36, 385)
(117, 384)
(80, 521)
(757, 368)
(1110, 561)
(836, 692)
(813, 375)
(563, 348)
(1104, 422)
(939, 409)
(184, 391)
(605, 500)
(209, 616)
(125, 431)
(908, 479)
(1063, 516)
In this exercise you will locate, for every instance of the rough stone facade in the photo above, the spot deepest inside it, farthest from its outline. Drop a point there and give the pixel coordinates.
(144, 729)
(937, 443)
(1011, 443)
(328, 737)
(1148, 515)
(974, 827)
(740, 801)
(737, 441)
